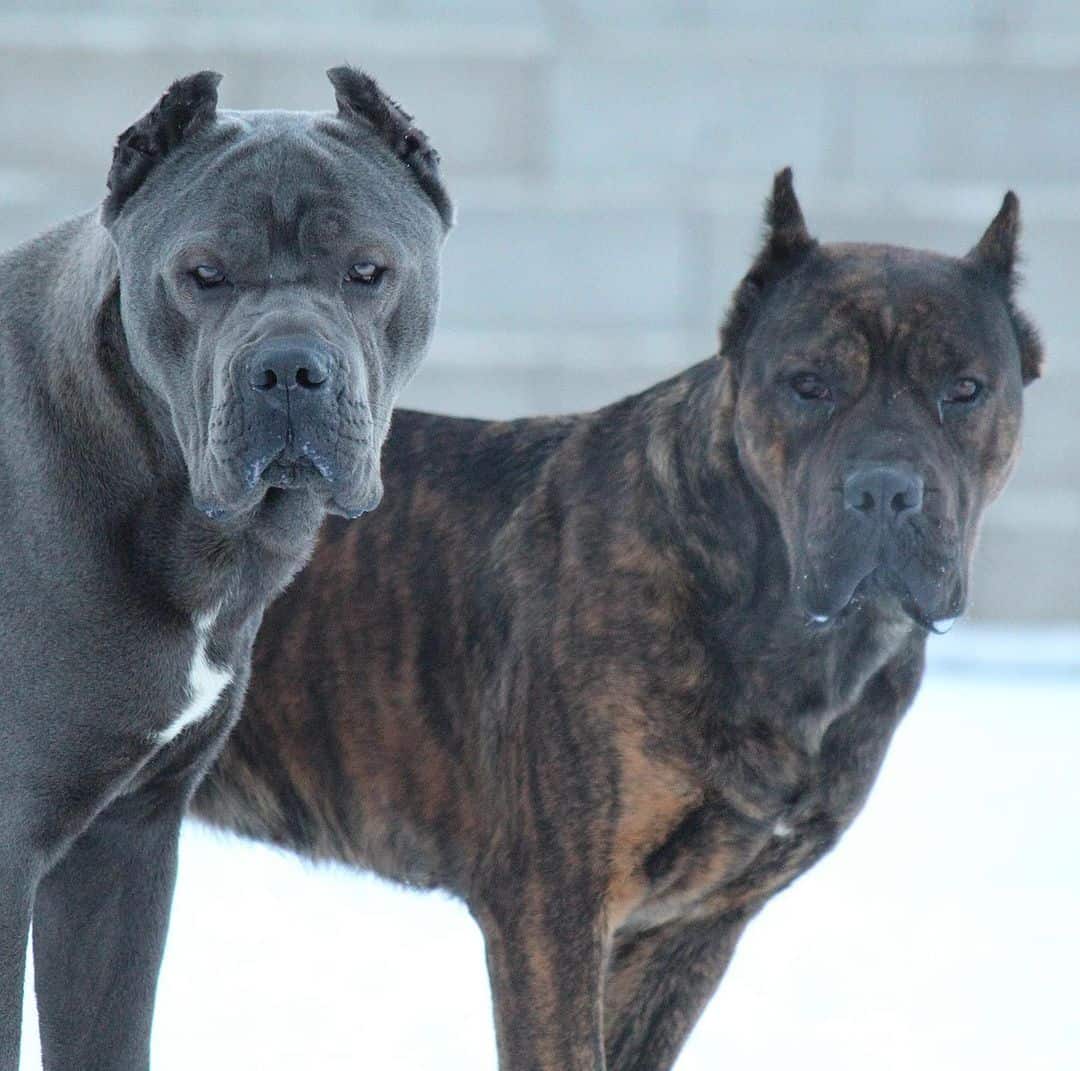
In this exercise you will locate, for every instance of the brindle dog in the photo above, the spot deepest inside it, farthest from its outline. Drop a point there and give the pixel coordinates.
(616, 679)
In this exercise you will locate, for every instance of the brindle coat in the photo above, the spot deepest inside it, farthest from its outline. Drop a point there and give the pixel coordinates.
(569, 671)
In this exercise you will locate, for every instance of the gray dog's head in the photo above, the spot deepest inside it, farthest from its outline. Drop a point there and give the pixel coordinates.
(279, 281)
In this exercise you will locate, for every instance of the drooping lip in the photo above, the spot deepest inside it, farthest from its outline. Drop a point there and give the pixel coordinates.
(277, 471)
(289, 465)
(880, 582)
(283, 472)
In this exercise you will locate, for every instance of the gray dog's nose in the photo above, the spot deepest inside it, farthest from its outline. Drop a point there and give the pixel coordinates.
(288, 363)
(886, 493)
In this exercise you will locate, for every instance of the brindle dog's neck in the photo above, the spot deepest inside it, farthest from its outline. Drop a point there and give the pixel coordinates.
(729, 555)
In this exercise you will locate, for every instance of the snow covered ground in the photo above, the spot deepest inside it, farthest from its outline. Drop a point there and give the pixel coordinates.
(944, 932)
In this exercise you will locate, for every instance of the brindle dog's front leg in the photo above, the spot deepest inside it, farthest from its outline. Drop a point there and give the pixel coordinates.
(545, 960)
(657, 986)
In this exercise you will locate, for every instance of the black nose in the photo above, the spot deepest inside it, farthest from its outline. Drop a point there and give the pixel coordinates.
(288, 363)
(886, 493)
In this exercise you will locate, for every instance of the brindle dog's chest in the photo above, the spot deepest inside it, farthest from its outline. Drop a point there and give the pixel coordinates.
(720, 853)
(718, 859)
(765, 800)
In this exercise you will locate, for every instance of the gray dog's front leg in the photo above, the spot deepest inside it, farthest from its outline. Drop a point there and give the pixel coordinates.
(16, 896)
(100, 921)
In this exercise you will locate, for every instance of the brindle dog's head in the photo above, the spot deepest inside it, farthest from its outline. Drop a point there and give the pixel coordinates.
(278, 284)
(878, 407)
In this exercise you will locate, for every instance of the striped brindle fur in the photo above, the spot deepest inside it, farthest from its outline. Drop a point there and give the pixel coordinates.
(574, 671)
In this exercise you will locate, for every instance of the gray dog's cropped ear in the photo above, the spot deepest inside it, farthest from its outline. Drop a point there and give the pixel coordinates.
(359, 97)
(996, 255)
(786, 242)
(188, 104)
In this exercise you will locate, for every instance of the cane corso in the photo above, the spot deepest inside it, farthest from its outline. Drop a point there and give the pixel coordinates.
(616, 679)
(191, 378)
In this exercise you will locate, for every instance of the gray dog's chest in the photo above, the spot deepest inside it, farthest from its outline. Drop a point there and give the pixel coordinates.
(134, 678)
(208, 676)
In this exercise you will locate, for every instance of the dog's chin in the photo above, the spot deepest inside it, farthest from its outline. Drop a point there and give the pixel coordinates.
(933, 606)
(275, 480)
(283, 480)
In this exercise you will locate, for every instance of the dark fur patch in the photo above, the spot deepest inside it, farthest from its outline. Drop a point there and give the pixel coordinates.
(997, 256)
(187, 104)
(359, 97)
(786, 242)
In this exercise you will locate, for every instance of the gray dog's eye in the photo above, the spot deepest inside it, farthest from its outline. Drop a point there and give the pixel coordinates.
(206, 275)
(366, 273)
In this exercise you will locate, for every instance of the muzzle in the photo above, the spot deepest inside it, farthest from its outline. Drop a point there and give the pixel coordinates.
(290, 411)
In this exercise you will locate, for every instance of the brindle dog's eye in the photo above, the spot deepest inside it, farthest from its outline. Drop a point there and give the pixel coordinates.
(810, 387)
(962, 392)
(366, 273)
(207, 276)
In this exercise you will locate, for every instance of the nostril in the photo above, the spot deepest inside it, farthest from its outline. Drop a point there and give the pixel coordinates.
(264, 379)
(283, 365)
(908, 499)
(866, 503)
(309, 378)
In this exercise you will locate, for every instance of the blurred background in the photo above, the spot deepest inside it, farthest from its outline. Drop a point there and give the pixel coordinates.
(609, 163)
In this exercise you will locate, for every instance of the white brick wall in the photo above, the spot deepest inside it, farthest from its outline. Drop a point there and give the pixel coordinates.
(609, 161)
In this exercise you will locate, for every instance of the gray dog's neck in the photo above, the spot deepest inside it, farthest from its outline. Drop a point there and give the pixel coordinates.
(77, 371)
(89, 433)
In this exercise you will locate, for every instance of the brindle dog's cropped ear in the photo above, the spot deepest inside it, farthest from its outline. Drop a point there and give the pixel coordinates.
(359, 97)
(787, 241)
(995, 256)
(188, 104)
(995, 252)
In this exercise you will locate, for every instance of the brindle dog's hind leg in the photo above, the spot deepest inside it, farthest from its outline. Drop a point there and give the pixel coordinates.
(658, 984)
(100, 921)
(546, 968)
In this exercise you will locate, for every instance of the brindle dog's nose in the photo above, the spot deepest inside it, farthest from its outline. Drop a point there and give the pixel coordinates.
(285, 364)
(883, 493)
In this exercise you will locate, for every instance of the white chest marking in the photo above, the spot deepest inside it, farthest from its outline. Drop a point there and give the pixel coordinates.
(205, 682)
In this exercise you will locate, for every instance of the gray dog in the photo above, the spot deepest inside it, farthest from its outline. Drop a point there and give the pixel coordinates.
(191, 378)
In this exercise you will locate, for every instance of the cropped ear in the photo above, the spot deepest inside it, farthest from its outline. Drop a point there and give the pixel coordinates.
(996, 255)
(786, 243)
(995, 251)
(188, 104)
(360, 98)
